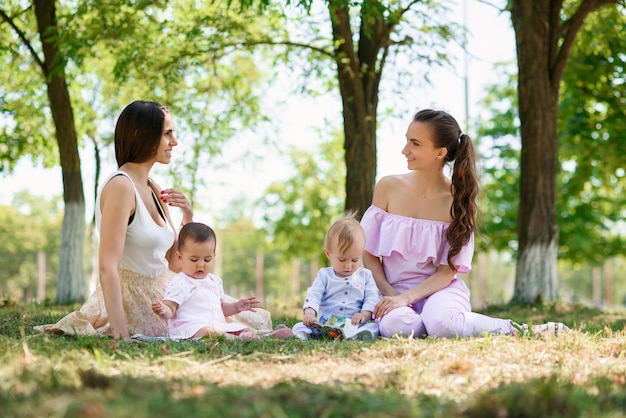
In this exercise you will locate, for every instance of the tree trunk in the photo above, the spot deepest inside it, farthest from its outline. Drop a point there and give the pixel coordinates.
(608, 283)
(358, 72)
(314, 267)
(218, 265)
(260, 293)
(41, 276)
(295, 279)
(544, 43)
(536, 275)
(596, 287)
(482, 279)
(71, 277)
(360, 149)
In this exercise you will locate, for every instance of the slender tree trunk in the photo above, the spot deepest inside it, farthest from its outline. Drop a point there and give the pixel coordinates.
(295, 278)
(596, 290)
(92, 232)
(94, 257)
(219, 251)
(313, 269)
(608, 283)
(41, 276)
(482, 279)
(260, 293)
(71, 277)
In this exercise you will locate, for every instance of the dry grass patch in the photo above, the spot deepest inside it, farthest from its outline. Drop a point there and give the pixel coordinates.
(450, 368)
(581, 370)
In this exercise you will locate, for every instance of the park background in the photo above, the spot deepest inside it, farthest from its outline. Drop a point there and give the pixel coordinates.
(252, 177)
(261, 156)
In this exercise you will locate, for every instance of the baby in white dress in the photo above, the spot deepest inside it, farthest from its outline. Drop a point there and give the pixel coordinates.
(193, 303)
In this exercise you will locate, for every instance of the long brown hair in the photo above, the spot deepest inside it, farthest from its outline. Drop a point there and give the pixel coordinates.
(138, 131)
(465, 186)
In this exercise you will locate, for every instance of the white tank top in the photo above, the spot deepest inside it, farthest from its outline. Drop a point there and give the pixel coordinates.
(146, 242)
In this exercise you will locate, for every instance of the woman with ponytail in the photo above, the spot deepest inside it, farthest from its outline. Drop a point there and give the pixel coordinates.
(420, 234)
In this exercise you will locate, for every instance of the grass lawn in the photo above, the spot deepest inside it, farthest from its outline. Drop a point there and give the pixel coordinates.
(580, 374)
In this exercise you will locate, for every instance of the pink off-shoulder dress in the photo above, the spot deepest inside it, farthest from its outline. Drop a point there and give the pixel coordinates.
(411, 250)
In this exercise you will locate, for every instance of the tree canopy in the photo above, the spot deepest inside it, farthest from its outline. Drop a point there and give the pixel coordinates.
(63, 54)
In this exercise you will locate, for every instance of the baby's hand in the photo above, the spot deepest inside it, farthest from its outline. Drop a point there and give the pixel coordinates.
(357, 319)
(309, 319)
(248, 304)
(160, 309)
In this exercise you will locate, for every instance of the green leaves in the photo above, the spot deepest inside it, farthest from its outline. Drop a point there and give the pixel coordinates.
(592, 126)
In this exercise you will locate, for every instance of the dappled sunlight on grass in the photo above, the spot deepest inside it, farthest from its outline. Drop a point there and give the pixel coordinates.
(448, 377)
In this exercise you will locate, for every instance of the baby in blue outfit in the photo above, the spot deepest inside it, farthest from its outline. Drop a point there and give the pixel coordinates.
(345, 294)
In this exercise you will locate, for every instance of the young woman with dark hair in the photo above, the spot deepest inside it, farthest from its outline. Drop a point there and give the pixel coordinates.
(420, 234)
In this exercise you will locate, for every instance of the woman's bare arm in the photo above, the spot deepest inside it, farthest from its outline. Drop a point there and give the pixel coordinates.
(117, 203)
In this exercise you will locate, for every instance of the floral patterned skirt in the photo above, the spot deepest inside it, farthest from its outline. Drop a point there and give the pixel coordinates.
(138, 292)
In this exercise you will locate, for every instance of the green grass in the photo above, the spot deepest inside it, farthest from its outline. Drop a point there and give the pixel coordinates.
(581, 374)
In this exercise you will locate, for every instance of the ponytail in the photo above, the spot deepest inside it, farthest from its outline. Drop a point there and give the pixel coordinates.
(465, 188)
(465, 185)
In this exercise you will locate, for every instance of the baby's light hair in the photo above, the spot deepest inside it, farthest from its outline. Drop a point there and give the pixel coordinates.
(346, 230)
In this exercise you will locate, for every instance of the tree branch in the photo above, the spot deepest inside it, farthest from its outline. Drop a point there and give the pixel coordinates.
(24, 40)
(284, 43)
(220, 50)
(570, 29)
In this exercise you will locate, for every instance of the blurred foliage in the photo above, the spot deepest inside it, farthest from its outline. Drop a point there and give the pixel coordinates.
(29, 226)
(592, 128)
(298, 211)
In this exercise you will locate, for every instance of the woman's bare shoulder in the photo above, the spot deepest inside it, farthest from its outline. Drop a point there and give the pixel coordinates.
(386, 187)
(392, 181)
(118, 192)
(118, 184)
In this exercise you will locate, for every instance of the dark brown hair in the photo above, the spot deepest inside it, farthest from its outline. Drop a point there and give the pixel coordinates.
(196, 232)
(138, 131)
(465, 186)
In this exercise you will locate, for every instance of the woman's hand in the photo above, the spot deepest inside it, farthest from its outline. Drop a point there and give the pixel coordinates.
(176, 198)
(121, 335)
(388, 303)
